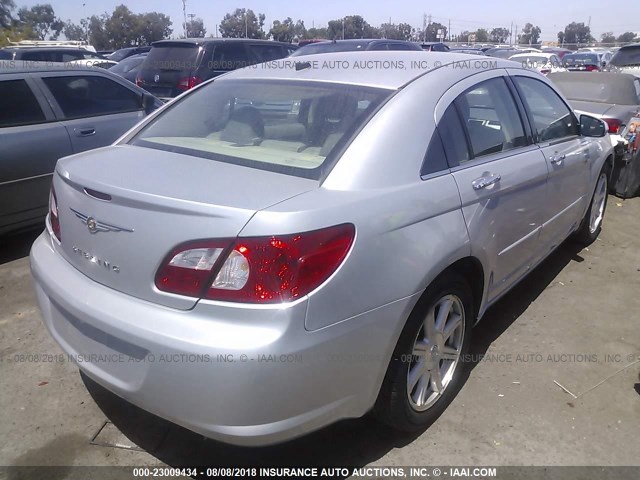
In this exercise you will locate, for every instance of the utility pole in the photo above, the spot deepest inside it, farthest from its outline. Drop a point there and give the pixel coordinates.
(449, 30)
(184, 14)
(517, 40)
(511, 34)
(424, 27)
(191, 17)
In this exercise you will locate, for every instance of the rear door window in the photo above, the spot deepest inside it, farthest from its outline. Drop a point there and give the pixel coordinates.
(266, 52)
(491, 118)
(18, 104)
(229, 56)
(88, 96)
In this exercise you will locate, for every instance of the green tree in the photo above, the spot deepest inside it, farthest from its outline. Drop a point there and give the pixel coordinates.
(196, 29)
(6, 7)
(15, 33)
(317, 33)
(353, 26)
(98, 35)
(432, 32)
(482, 36)
(530, 34)
(608, 37)
(123, 27)
(561, 38)
(499, 34)
(627, 37)
(464, 36)
(42, 20)
(242, 23)
(74, 31)
(154, 26)
(283, 31)
(576, 33)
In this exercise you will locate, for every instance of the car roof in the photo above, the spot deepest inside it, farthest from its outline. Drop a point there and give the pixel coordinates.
(26, 66)
(47, 49)
(532, 54)
(394, 68)
(203, 41)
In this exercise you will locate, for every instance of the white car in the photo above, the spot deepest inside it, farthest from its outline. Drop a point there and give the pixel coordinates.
(543, 63)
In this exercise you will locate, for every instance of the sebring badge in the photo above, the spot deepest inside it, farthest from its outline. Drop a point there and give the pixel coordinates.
(95, 226)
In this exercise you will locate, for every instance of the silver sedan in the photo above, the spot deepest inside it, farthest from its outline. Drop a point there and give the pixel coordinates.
(301, 242)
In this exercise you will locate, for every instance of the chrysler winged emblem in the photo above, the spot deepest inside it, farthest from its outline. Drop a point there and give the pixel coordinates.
(96, 226)
(156, 78)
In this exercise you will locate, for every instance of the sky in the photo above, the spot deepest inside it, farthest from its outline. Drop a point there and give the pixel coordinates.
(550, 15)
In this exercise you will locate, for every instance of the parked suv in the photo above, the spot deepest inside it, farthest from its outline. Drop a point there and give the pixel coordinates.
(626, 60)
(174, 66)
(47, 54)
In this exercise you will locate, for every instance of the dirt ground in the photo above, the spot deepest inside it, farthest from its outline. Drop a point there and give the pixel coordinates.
(575, 321)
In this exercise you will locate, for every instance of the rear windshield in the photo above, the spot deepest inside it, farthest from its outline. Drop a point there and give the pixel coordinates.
(119, 54)
(6, 55)
(289, 127)
(172, 57)
(626, 57)
(314, 48)
(580, 59)
(127, 64)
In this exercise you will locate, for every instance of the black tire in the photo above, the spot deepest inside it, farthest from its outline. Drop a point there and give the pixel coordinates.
(393, 406)
(585, 234)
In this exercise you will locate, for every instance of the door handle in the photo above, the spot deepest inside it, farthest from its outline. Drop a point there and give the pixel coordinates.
(557, 159)
(85, 132)
(485, 181)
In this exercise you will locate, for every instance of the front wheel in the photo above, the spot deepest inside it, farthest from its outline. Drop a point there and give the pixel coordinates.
(591, 224)
(428, 367)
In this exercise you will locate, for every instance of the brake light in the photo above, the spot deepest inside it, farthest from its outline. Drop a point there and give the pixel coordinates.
(138, 80)
(545, 71)
(613, 124)
(279, 268)
(592, 68)
(53, 214)
(188, 83)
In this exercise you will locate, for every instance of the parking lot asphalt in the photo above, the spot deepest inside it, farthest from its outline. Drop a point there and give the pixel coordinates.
(574, 320)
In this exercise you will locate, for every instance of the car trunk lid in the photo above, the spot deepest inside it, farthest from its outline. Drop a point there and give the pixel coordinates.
(122, 209)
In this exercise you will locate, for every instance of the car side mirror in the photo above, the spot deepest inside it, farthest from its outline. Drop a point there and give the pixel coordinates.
(592, 127)
(148, 103)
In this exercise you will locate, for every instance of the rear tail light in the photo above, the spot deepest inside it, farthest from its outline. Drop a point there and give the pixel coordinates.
(53, 214)
(138, 80)
(188, 83)
(613, 123)
(592, 68)
(272, 269)
(544, 71)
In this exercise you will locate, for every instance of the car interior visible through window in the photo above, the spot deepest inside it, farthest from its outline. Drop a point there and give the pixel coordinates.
(279, 126)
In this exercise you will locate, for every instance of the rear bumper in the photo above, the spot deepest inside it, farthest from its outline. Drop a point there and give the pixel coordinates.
(247, 376)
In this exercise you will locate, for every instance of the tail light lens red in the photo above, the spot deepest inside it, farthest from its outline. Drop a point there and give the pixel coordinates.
(544, 71)
(613, 124)
(271, 269)
(54, 220)
(138, 80)
(188, 83)
(592, 68)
